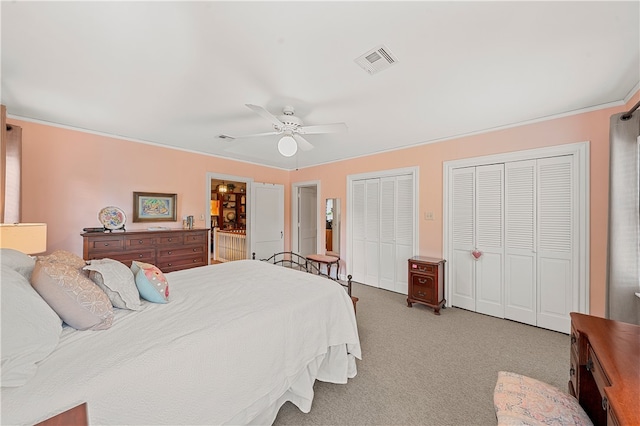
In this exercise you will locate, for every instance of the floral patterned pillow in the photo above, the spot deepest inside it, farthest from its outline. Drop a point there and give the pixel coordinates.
(151, 283)
(521, 400)
(72, 295)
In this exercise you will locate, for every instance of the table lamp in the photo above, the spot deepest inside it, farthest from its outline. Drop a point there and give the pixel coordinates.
(29, 238)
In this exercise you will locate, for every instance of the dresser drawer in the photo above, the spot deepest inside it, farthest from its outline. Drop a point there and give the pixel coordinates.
(143, 241)
(114, 243)
(171, 264)
(146, 256)
(573, 374)
(169, 239)
(599, 376)
(179, 252)
(195, 238)
(421, 267)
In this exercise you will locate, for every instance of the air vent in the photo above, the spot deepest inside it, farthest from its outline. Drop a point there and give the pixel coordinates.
(376, 60)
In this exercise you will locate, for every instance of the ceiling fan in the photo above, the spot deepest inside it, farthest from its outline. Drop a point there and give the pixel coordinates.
(291, 129)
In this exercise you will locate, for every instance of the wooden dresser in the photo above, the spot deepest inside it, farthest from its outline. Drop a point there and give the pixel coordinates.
(169, 250)
(605, 369)
(426, 282)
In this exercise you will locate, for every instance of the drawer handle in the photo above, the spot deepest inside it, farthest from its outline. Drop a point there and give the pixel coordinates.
(169, 264)
(106, 244)
(195, 249)
(422, 280)
(604, 403)
(139, 241)
(169, 252)
(169, 239)
(140, 256)
(589, 365)
(195, 260)
(573, 338)
(421, 293)
(572, 371)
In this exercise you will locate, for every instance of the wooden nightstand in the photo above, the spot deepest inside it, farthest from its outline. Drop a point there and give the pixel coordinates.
(426, 282)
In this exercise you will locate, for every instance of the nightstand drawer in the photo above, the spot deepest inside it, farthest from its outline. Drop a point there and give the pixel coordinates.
(423, 288)
(421, 267)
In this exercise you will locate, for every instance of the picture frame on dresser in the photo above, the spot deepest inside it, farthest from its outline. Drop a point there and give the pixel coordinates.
(154, 207)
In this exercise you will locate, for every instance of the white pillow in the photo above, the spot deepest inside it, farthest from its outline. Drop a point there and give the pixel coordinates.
(30, 329)
(117, 280)
(18, 261)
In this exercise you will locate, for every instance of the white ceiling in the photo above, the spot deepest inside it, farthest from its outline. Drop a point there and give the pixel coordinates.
(179, 73)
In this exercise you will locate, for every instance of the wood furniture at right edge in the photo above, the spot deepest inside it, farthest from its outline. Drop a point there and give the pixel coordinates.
(426, 282)
(605, 369)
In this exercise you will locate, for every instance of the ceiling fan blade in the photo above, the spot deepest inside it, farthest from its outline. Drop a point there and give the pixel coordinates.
(303, 144)
(323, 128)
(266, 114)
(255, 135)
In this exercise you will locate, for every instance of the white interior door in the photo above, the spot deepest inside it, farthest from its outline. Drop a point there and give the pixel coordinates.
(372, 230)
(557, 237)
(307, 220)
(463, 270)
(405, 229)
(520, 230)
(387, 233)
(358, 235)
(267, 219)
(489, 246)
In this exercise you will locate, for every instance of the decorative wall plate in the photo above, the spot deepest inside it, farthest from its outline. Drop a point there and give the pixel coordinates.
(112, 217)
(231, 216)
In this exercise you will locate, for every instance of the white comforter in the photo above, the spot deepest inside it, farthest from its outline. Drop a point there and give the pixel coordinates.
(234, 343)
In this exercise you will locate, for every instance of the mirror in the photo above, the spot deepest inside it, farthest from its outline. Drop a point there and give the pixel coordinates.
(332, 212)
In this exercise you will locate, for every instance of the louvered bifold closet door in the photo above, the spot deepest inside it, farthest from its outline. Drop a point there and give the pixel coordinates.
(405, 232)
(358, 197)
(462, 271)
(556, 238)
(372, 231)
(520, 231)
(387, 232)
(489, 246)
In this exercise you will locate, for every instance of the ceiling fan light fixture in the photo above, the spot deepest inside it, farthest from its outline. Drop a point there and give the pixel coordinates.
(287, 146)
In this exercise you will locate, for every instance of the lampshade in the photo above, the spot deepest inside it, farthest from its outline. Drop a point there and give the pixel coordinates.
(29, 238)
(287, 146)
(222, 187)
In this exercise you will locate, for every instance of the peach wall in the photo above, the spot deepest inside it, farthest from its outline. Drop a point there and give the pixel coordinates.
(68, 176)
(591, 126)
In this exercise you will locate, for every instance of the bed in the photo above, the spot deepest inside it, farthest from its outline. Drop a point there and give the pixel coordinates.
(235, 342)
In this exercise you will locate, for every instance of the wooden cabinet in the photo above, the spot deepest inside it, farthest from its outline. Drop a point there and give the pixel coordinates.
(604, 371)
(232, 210)
(426, 282)
(169, 250)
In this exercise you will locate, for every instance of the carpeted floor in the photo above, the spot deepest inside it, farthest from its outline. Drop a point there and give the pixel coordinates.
(421, 369)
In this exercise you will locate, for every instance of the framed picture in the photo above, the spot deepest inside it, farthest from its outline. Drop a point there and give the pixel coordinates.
(154, 207)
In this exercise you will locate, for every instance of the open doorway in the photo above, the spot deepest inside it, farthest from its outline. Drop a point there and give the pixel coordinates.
(307, 217)
(228, 199)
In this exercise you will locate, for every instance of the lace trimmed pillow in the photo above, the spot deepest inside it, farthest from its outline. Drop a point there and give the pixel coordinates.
(117, 281)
